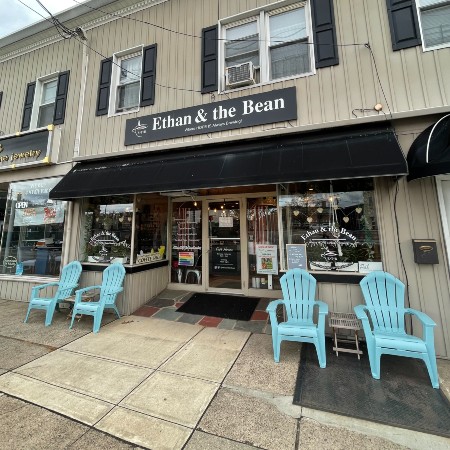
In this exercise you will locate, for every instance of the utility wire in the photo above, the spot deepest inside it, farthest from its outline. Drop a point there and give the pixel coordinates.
(74, 35)
(200, 37)
(62, 29)
(378, 77)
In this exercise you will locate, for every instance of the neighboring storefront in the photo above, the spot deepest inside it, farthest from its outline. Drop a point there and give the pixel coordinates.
(32, 225)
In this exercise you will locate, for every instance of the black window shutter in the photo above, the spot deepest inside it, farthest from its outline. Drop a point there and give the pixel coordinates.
(209, 59)
(61, 97)
(1, 98)
(28, 106)
(324, 33)
(148, 75)
(104, 84)
(403, 24)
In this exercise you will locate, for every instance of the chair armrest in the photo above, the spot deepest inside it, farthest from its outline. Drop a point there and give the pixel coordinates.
(272, 306)
(424, 318)
(360, 311)
(272, 310)
(43, 286)
(114, 291)
(323, 307)
(87, 289)
(35, 290)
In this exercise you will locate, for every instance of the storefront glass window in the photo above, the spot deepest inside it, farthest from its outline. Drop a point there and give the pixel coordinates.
(330, 226)
(263, 243)
(187, 242)
(150, 228)
(106, 229)
(33, 228)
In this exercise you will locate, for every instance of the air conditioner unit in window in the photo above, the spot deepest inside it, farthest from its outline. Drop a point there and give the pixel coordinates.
(240, 75)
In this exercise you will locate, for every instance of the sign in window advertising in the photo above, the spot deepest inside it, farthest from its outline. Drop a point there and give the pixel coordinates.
(33, 229)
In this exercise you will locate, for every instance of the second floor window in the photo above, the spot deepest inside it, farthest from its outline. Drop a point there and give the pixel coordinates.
(129, 83)
(434, 16)
(271, 45)
(126, 82)
(47, 102)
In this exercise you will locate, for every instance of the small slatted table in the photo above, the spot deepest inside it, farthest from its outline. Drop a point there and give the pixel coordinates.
(346, 321)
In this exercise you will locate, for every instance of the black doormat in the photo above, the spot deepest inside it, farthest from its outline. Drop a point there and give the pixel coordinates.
(217, 305)
(403, 397)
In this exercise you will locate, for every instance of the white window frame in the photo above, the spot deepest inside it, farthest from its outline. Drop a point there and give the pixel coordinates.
(261, 15)
(419, 17)
(115, 80)
(38, 96)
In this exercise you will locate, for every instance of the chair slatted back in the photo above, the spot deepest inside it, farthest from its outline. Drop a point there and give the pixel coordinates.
(70, 275)
(299, 290)
(112, 279)
(385, 298)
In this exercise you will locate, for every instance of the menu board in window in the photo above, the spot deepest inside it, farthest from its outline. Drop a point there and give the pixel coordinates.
(296, 256)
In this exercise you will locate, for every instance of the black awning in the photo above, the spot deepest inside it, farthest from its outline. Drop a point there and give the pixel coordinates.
(430, 152)
(331, 154)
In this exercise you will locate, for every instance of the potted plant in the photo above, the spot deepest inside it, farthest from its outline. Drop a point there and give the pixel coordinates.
(119, 253)
(91, 252)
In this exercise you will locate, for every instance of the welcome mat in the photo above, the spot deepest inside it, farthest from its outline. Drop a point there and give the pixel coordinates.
(217, 305)
(403, 397)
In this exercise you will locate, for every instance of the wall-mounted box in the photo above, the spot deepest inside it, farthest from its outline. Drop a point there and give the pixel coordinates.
(425, 251)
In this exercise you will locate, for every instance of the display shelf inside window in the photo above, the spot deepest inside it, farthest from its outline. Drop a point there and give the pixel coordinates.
(150, 228)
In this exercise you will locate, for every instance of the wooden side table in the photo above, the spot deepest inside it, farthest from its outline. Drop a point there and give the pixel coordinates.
(86, 297)
(346, 321)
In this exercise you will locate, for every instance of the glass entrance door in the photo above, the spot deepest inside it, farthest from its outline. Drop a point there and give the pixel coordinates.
(224, 245)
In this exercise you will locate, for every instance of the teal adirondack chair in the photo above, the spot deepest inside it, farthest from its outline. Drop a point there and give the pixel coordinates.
(112, 285)
(299, 290)
(385, 297)
(66, 284)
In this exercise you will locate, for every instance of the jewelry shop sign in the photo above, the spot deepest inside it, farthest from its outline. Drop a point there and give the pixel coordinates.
(259, 109)
(24, 149)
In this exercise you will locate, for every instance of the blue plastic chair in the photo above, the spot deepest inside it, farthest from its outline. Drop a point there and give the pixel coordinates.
(112, 281)
(299, 290)
(66, 284)
(385, 297)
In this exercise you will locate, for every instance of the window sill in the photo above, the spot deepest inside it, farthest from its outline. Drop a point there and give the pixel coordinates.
(134, 268)
(131, 111)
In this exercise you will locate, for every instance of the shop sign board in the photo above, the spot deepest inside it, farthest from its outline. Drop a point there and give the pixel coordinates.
(25, 149)
(259, 109)
(296, 256)
(266, 259)
(224, 259)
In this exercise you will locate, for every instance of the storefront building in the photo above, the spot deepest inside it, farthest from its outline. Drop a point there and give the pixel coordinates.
(215, 151)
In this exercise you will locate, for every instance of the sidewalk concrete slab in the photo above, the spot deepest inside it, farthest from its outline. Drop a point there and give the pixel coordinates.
(175, 398)
(141, 341)
(41, 429)
(99, 378)
(12, 315)
(71, 404)
(205, 441)
(16, 353)
(313, 436)
(411, 439)
(150, 432)
(249, 420)
(256, 369)
(209, 355)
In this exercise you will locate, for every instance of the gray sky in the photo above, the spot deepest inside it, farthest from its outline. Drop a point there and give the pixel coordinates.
(15, 16)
